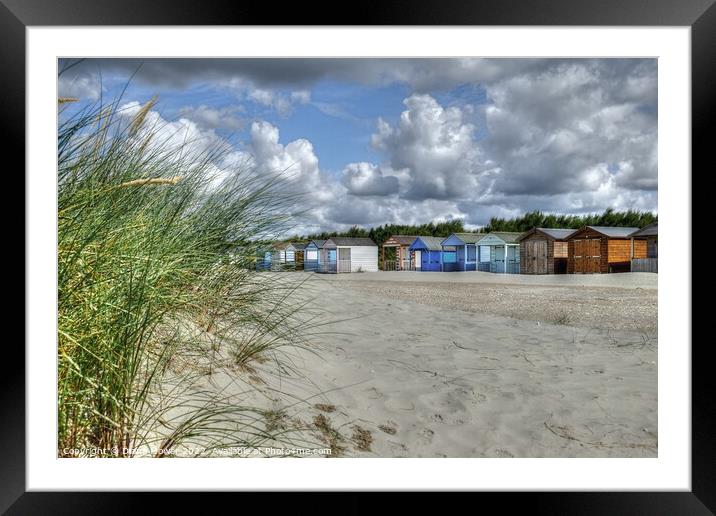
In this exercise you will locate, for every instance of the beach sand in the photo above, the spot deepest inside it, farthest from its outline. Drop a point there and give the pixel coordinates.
(413, 365)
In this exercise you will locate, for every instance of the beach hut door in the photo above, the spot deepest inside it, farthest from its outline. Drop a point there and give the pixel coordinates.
(511, 264)
(418, 259)
(499, 259)
(587, 257)
(536, 259)
(329, 264)
(344, 259)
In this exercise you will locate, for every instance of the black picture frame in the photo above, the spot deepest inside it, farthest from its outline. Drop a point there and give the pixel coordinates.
(700, 15)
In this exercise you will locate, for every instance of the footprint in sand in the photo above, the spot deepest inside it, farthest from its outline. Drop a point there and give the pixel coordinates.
(426, 434)
(507, 395)
(389, 427)
(502, 453)
(399, 449)
(438, 418)
(375, 394)
(471, 395)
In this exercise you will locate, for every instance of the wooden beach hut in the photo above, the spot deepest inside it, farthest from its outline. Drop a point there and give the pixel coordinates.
(401, 260)
(544, 251)
(426, 253)
(499, 252)
(312, 255)
(650, 263)
(601, 249)
(299, 255)
(343, 254)
(459, 252)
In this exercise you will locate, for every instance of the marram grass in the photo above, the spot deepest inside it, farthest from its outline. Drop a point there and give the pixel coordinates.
(156, 296)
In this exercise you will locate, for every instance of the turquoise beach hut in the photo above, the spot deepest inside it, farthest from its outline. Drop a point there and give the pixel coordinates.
(499, 252)
(263, 260)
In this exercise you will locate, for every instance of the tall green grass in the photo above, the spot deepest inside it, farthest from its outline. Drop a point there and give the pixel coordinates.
(158, 308)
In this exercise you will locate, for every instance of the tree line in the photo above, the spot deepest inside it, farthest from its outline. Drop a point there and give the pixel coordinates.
(537, 219)
(381, 233)
(610, 217)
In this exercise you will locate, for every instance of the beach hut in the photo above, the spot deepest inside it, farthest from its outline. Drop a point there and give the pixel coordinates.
(401, 261)
(601, 249)
(544, 251)
(344, 254)
(499, 252)
(460, 252)
(299, 255)
(312, 255)
(263, 259)
(649, 264)
(285, 253)
(426, 253)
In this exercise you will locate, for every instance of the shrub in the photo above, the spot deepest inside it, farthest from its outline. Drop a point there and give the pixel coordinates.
(156, 242)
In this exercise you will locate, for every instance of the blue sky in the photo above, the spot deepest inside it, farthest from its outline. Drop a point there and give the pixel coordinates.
(339, 120)
(412, 140)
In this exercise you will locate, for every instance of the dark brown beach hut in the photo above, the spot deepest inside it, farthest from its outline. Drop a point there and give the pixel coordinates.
(600, 249)
(544, 251)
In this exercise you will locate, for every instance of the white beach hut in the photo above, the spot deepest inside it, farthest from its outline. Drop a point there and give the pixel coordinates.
(343, 254)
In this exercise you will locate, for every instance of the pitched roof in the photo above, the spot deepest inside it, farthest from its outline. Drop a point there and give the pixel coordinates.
(468, 238)
(319, 243)
(432, 243)
(404, 239)
(650, 230)
(299, 247)
(346, 241)
(507, 237)
(555, 233)
(613, 231)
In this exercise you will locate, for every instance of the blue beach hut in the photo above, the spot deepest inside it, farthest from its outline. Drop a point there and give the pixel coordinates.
(312, 255)
(427, 253)
(459, 252)
(263, 260)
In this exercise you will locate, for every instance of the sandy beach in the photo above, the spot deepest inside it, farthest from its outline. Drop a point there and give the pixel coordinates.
(417, 365)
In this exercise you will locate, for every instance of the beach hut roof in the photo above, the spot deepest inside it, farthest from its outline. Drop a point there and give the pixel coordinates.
(317, 243)
(507, 237)
(404, 239)
(553, 233)
(613, 232)
(349, 242)
(468, 238)
(431, 243)
(299, 247)
(650, 230)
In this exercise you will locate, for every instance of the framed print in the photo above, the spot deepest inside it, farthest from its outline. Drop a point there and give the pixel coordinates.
(420, 242)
